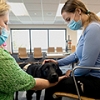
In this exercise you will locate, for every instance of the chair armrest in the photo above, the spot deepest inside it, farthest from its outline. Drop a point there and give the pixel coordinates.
(69, 95)
(83, 67)
(64, 94)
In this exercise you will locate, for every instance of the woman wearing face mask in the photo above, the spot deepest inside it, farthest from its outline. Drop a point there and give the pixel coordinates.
(12, 77)
(87, 53)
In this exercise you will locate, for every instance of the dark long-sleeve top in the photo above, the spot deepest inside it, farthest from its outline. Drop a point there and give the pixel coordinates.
(87, 52)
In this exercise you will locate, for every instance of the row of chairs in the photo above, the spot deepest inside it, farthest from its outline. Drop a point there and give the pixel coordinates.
(52, 49)
(23, 55)
(59, 49)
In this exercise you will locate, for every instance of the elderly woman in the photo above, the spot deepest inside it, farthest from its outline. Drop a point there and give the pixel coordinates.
(12, 77)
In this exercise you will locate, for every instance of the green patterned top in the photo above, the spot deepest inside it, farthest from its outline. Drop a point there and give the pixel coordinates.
(12, 77)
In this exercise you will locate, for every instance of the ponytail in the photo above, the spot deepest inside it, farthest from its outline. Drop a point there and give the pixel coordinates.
(92, 17)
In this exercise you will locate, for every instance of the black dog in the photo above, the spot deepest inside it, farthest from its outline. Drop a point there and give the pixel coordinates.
(49, 71)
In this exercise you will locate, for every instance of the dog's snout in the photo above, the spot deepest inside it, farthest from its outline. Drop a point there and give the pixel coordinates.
(53, 78)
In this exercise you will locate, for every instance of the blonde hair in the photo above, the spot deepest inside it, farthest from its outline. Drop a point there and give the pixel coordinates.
(71, 5)
(4, 7)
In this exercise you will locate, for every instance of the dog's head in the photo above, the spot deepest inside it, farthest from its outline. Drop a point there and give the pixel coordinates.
(50, 71)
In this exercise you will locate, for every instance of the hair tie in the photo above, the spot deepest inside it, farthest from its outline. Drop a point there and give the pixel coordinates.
(88, 12)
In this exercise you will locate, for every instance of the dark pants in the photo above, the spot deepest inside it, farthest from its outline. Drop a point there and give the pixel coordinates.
(88, 86)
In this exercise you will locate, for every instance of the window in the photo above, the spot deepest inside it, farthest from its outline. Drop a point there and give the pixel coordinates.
(43, 38)
(20, 38)
(57, 38)
(39, 39)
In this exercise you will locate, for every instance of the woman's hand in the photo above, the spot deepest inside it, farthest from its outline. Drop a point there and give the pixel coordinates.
(62, 77)
(68, 72)
(49, 60)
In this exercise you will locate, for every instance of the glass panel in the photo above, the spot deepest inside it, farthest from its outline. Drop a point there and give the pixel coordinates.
(39, 39)
(57, 38)
(20, 38)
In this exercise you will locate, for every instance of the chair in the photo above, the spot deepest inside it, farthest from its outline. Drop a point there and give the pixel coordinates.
(50, 49)
(22, 54)
(59, 49)
(75, 96)
(37, 54)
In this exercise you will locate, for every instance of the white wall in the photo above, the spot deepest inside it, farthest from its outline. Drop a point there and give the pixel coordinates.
(79, 33)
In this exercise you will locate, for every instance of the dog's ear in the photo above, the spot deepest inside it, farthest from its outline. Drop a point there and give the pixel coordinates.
(58, 70)
(40, 71)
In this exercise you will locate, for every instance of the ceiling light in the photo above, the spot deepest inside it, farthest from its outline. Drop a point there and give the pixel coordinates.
(18, 9)
(58, 14)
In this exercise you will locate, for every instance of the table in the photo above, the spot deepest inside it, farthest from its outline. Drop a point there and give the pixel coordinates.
(56, 55)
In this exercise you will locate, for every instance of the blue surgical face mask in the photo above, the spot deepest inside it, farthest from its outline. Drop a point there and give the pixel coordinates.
(3, 35)
(73, 25)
